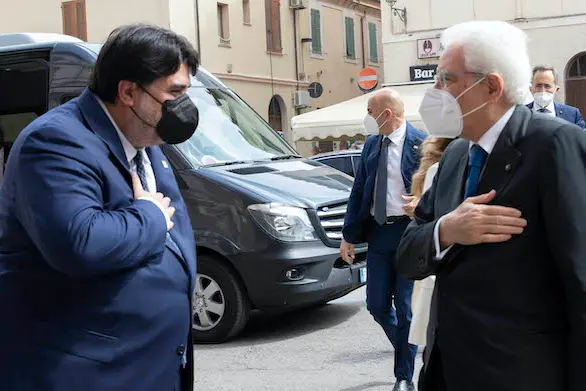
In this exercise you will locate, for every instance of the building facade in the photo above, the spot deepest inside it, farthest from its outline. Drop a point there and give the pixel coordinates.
(556, 31)
(271, 52)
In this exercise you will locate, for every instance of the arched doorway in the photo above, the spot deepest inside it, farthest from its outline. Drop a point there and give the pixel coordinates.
(576, 82)
(277, 114)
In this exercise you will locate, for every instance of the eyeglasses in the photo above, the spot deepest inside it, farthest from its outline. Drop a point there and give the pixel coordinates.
(444, 77)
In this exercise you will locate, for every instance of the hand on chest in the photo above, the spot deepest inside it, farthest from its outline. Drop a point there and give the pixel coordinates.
(154, 173)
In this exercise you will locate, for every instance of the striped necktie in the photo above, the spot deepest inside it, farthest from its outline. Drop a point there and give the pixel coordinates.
(141, 172)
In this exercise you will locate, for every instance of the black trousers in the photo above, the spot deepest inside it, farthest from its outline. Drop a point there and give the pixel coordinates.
(431, 377)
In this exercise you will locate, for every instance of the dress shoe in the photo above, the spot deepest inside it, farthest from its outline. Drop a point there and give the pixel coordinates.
(404, 385)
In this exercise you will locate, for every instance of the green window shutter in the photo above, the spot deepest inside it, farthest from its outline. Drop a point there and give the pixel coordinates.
(350, 45)
(373, 40)
(315, 31)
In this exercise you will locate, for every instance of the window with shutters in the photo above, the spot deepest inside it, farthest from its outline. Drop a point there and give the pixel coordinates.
(373, 42)
(223, 24)
(350, 41)
(74, 19)
(273, 19)
(316, 46)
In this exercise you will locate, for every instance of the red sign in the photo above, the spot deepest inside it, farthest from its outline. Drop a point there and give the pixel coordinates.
(367, 79)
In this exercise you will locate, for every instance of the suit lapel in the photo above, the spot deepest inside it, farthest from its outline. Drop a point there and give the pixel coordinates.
(409, 157)
(163, 176)
(456, 197)
(452, 178)
(559, 111)
(505, 157)
(101, 125)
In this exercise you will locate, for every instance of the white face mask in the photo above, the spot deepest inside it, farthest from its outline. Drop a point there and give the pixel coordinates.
(370, 124)
(441, 112)
(543, 99)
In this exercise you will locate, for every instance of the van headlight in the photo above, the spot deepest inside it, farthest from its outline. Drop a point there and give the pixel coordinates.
(287, 223)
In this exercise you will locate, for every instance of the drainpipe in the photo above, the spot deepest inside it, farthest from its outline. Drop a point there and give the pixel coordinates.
(296, 53)
(362, 38)
(198, 29)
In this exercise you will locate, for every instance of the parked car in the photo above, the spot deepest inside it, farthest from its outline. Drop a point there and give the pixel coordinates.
(267, 222)
(345, 161)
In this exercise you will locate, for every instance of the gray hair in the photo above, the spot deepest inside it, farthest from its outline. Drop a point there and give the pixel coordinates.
(546, 68)
(494, 47)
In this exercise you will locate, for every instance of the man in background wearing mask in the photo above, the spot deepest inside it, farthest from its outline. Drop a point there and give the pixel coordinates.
(502, 227)
(375, 215)
(97, 255)
(544, 87)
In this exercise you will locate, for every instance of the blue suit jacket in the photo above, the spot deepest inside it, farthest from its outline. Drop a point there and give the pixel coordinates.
(361, 198)
(93, 297)
(569, 113)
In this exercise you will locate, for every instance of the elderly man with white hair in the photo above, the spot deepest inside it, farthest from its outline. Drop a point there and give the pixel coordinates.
(503, 226)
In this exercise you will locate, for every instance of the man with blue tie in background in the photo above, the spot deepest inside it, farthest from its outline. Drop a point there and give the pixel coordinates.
(544, 86)
(376, 215)
(97, 255)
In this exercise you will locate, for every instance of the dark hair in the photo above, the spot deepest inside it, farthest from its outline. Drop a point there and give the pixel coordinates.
(139, 53)
(545, 68)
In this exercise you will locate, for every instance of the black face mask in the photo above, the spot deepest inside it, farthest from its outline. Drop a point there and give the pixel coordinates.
(179, 119)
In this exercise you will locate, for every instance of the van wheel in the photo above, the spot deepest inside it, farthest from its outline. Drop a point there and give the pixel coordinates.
(220, 306)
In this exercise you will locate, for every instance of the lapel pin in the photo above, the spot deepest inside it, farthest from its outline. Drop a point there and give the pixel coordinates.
(508, 168)
(164, 164)
(415, 147)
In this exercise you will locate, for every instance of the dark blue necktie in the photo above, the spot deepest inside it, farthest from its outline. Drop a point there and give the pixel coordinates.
(380, 191)
(141, 172)
(544, 111)
(476, 159)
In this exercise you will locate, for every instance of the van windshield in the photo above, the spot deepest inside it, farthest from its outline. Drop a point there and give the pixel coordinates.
(229, 130)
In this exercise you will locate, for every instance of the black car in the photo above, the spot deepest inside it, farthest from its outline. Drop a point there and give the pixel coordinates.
(267, 222)
(345, 161)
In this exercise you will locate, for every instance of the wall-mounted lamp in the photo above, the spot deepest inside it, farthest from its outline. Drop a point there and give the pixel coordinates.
(401, 13)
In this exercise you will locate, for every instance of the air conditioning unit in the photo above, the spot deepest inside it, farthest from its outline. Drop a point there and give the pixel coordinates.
(301, 99)
(298, 4)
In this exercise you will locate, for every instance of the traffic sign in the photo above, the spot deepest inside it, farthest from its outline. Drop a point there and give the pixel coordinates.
(367, 79)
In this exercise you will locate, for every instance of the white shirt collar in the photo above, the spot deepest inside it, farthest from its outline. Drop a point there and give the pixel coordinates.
(398, 135)
(550, 107)
(129, 149)
(489, 139)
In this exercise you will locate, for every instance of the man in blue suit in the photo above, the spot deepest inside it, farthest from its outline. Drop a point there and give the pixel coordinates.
(97, 255)
(376, 215)
(544, 86)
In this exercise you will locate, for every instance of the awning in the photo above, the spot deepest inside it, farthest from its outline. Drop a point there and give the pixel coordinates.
(346, 118)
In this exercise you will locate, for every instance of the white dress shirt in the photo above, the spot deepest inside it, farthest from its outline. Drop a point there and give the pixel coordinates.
(130, 153)
(550, 107)
(487, 142)
(395, 184)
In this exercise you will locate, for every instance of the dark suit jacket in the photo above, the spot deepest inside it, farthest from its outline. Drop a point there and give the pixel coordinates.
(362, 194)
(92, 297)
(569, 113)
(511, 316)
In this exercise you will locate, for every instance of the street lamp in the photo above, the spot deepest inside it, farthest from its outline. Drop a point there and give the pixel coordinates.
(401, 13)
